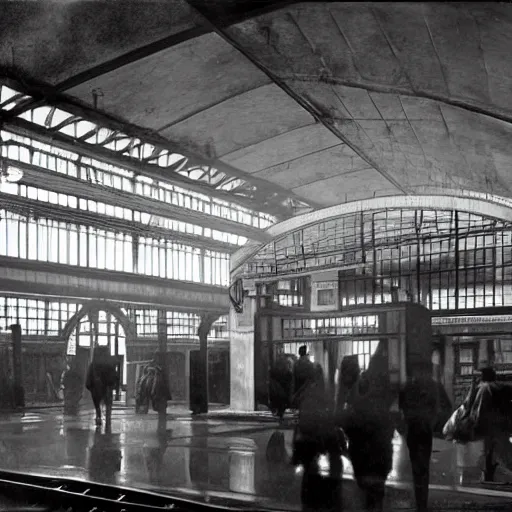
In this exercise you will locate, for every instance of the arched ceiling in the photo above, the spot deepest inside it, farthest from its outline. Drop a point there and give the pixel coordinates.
(329, 101)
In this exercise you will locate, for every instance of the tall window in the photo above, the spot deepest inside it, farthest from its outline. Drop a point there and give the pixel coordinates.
(59, 314)
(59, 242)
(171, 260)
(30, 314)
(147, 322)
(216, 268)
(182, 325)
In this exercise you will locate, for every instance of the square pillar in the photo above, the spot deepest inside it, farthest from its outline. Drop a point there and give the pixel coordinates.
(241, 352)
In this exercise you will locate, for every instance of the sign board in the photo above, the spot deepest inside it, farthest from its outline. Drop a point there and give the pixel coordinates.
(465, 320)
(324, 296)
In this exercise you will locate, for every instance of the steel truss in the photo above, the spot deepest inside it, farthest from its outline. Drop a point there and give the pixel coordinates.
(30, 108)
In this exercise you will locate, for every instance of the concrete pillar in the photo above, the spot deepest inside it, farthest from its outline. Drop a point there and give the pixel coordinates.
(187, 375)
(449, 367)
(162, 359)
(204, 328)
(17, 363)
(241, 349)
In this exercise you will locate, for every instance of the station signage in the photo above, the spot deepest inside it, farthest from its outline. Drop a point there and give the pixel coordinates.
(472, 320)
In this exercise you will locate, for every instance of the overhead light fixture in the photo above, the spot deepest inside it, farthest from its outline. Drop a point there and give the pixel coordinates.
(8, 173)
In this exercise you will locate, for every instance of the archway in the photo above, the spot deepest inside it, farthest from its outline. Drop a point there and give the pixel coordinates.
(98, 323)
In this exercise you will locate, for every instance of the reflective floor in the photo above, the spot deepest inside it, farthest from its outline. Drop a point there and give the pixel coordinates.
(200, 457)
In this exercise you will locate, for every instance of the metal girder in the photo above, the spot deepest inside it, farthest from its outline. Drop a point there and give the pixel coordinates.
(238, 12)
(67, 121)
(24, 206)
(56, 182)
(43, 278)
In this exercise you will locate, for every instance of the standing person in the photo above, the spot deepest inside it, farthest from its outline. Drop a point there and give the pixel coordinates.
(419, 404)
(488, 376)
(303, 373)
(363, 415)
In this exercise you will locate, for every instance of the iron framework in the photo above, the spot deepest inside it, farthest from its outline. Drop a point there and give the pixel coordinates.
(30, 108)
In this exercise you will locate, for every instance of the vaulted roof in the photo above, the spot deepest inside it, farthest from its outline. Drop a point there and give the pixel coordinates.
(318, 103)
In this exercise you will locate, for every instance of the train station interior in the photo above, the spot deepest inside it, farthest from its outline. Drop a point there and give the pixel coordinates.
(224, 182)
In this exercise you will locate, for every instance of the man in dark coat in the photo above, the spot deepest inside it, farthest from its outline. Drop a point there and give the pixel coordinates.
(304, 372)
(419, 403)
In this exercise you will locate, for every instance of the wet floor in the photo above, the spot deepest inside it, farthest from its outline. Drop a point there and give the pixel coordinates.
(198, 457)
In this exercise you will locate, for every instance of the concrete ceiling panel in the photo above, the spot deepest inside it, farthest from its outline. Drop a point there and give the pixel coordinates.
(314, 167)
(326, 40)
(347, 187)
(456, 51)
(457, 42)
(241, 121)
(175, 83)
(53, 41)
(408, 34)
(495, 41)
(357, 102)
(373, 56)
(283, 148)
(389, 105)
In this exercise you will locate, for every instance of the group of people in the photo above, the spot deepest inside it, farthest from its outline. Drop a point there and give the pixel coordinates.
(357, 420)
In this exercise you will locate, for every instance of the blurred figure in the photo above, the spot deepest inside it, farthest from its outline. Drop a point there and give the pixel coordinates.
(281, 385)
(488, 376)
(419, 403)
(101, 381)
(304, 373)
(73, 385)
(153, 386)
(316, 432)
(362, 412)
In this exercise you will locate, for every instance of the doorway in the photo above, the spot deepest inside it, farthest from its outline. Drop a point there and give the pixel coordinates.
(104, 329)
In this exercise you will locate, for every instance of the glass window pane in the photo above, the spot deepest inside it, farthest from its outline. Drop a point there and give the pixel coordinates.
(128, 254)
(110, 253)
(42, 241)
(63, 244)
(73, 246)
(101, 249)
(93, 239)
(12, 237)
(53, 244)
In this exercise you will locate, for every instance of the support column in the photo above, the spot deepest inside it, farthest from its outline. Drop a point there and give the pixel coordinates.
(207, 320)
(187, 375)
(162, 361)
(17, 363)
(241, 351)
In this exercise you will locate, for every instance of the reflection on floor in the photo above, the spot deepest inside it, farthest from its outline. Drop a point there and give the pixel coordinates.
(196, 456)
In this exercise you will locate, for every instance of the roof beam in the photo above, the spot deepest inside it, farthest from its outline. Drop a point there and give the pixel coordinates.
(212, 18)
(26, 129)
(238, 14)
(223, 13)
(41, 277)
(56, 182)
(267, 197)
(25, 206)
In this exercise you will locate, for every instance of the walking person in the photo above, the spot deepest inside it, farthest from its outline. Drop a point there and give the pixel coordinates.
(419, 404)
